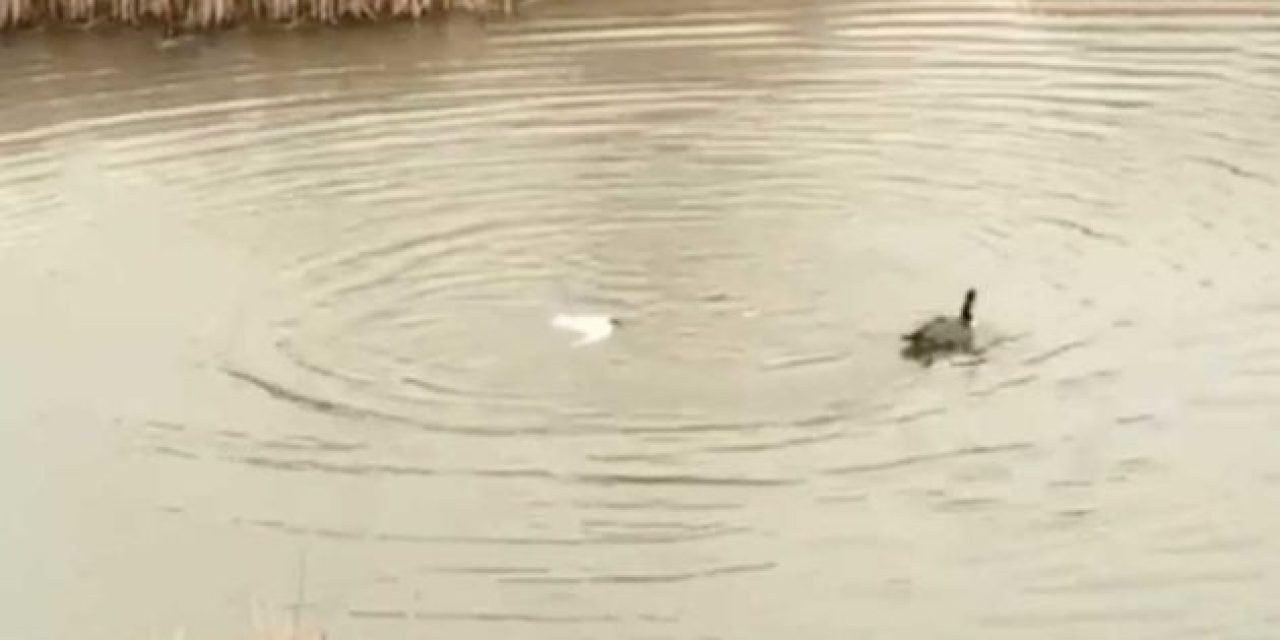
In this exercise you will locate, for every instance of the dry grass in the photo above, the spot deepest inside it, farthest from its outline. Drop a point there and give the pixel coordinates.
(212, 14)
(278, 635)
(279, 631)
(265, 623)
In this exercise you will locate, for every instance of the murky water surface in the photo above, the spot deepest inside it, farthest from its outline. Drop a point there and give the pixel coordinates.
(278, 339)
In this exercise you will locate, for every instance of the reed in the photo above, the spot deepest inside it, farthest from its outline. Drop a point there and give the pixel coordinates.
(202, 15)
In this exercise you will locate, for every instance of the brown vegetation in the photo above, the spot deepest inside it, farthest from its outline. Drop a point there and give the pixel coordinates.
(212, 14)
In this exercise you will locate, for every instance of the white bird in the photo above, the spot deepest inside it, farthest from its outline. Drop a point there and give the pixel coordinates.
(591, 328)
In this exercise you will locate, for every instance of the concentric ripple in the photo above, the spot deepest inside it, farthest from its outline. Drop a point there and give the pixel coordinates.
(279, 325)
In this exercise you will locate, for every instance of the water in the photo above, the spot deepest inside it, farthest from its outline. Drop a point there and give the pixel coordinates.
(279, 341)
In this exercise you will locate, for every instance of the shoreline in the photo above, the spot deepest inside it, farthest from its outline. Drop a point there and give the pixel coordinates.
(174, 17)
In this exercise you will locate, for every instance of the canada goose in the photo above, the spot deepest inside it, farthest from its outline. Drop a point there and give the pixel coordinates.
(943, 335)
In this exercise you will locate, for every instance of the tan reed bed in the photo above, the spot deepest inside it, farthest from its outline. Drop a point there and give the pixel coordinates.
(174, 15)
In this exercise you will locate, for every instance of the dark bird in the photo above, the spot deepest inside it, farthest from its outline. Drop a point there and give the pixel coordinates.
(943, 335)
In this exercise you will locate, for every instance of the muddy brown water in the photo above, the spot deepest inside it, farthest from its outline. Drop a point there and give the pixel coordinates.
(276, 340)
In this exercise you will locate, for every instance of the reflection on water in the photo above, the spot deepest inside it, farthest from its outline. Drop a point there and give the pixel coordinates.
(293, 298)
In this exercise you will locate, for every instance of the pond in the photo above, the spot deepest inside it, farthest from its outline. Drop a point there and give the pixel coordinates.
(288, 333)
